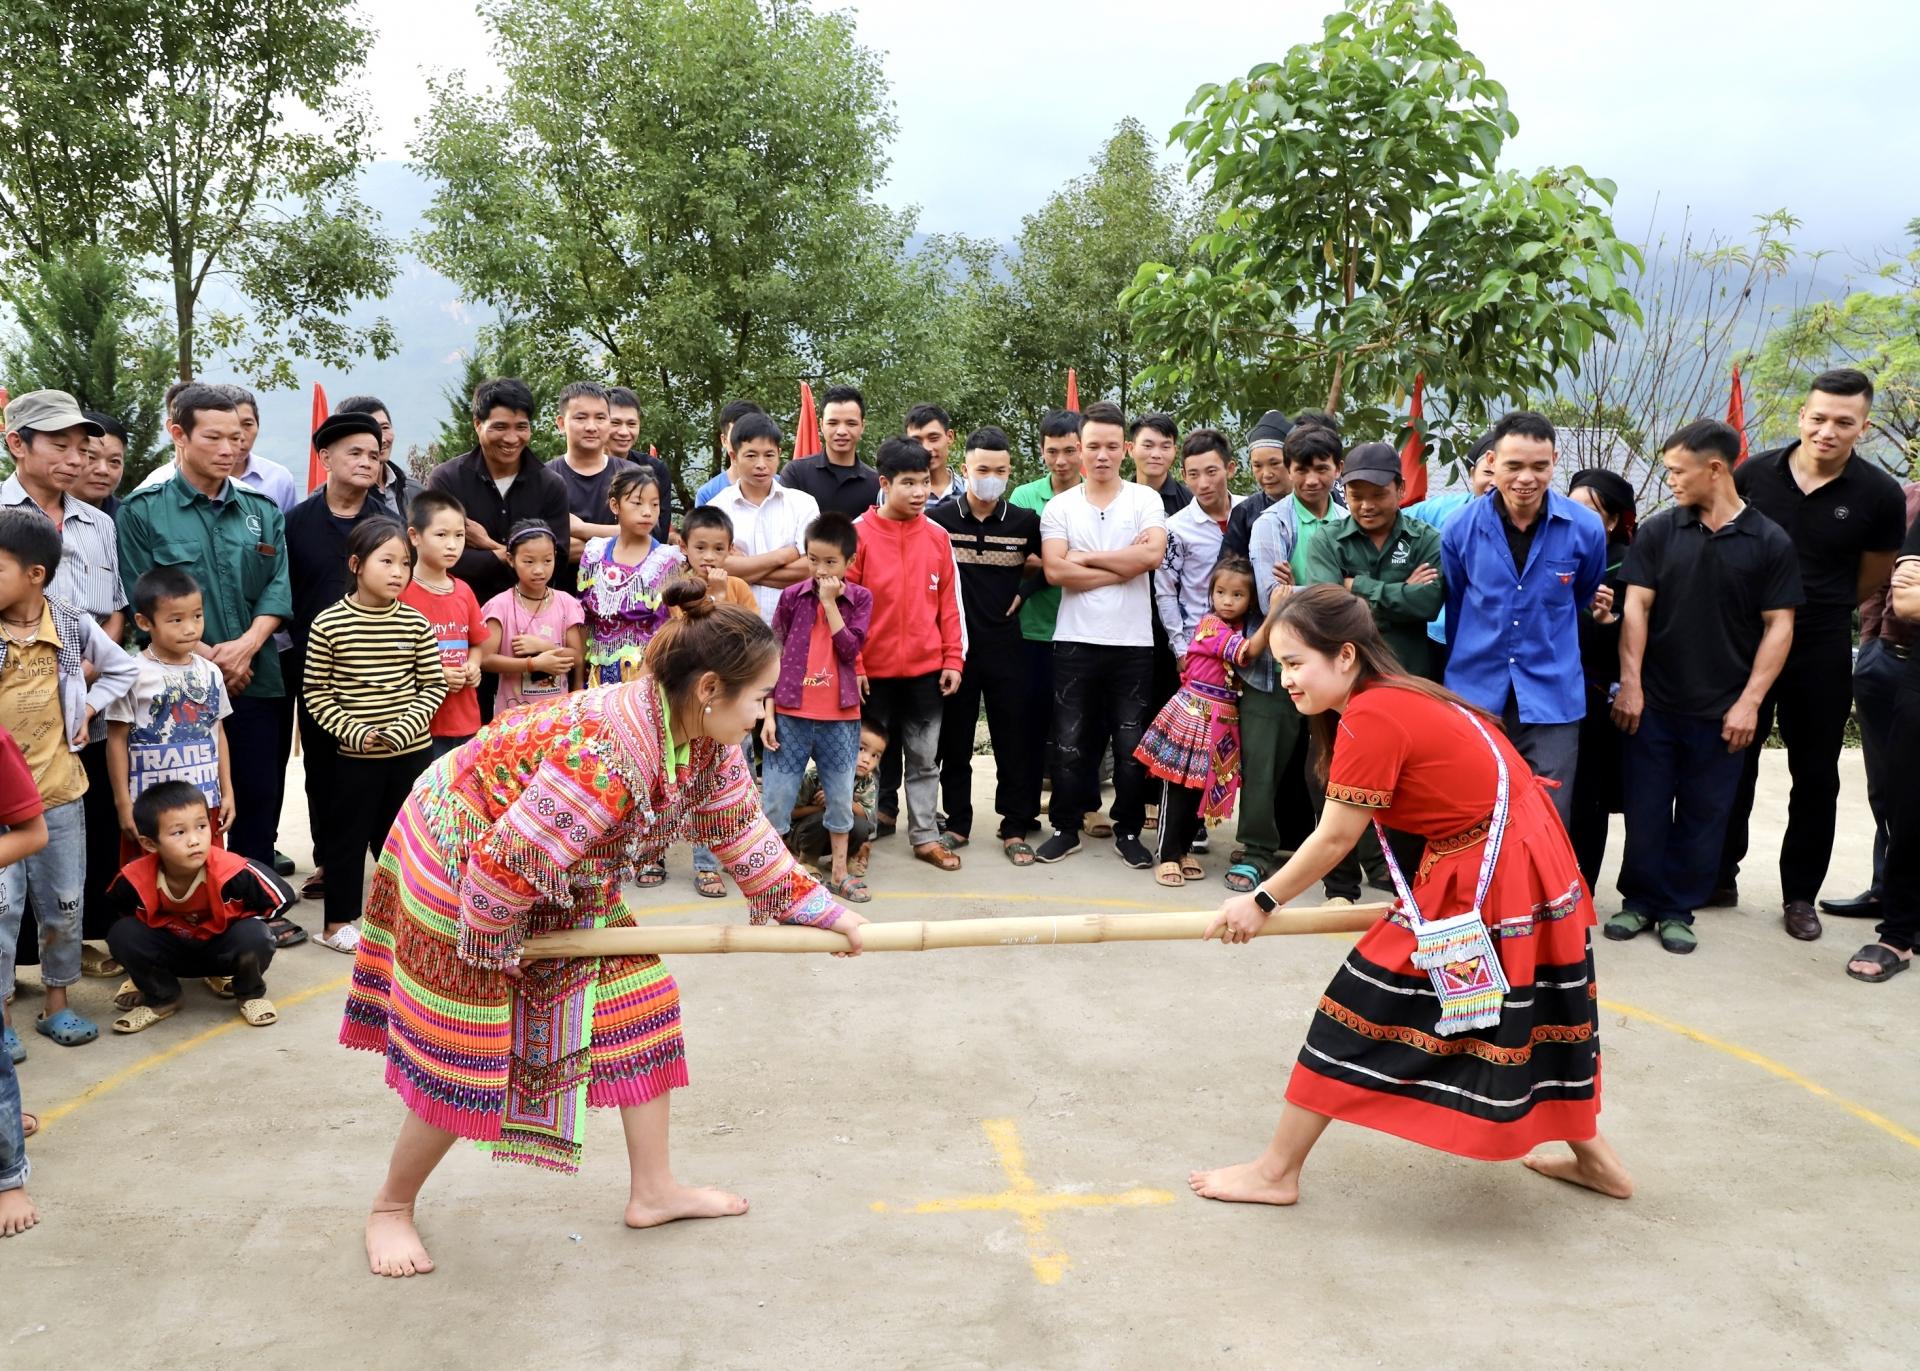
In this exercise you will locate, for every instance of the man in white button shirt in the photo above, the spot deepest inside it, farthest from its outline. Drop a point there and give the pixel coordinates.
(1100, 542)
(1181, 591)
(769, 520)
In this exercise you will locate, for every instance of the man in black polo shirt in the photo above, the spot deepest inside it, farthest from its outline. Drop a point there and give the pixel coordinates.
(837, 479)
(1846, 518)
(1712, 585)
(500, 482)
(996, 546)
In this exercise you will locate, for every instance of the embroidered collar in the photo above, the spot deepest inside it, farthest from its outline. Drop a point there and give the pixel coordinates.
(672, 752)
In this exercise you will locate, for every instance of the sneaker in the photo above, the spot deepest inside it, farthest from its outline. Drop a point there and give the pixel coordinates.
(1132, 851)
(1628, 923)
(1677, 936)
(1199, 843)
(282, 863)
(1058, 847)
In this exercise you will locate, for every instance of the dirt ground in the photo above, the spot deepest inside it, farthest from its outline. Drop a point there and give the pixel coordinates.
(979, 1159)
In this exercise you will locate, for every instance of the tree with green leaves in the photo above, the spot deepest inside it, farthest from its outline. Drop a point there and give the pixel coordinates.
(1876, 330)
(681, 196)
(1364, 234)
(222, 138)
(84, 329)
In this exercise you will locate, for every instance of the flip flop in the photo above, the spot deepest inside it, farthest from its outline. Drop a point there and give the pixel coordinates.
(259, 1012)
(709, 884)
(1019, 851)
(853, 890)
(67, 1028)
(29, 1124)
(1170, 874)
(142, 1017)
(1891, 963)
(1242, 877)
(934, 854)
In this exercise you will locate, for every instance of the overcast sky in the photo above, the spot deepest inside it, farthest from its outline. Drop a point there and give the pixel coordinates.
(1727, 108)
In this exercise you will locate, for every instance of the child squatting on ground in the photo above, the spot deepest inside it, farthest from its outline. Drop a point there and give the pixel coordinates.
(189, 907)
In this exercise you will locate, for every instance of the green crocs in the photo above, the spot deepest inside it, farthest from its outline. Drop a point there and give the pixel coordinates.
(1677, 936)
(1628, 923)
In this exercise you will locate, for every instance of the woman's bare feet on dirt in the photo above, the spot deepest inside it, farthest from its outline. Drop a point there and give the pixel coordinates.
(1592, 1165)
(1246, 1183)
(393, 1244)
(17, 1213)
(683, 1202)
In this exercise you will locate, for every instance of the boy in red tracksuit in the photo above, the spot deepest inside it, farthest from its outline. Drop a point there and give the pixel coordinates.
(916, 642)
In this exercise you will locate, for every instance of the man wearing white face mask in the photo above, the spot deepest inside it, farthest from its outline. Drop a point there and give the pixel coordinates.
(996, 546)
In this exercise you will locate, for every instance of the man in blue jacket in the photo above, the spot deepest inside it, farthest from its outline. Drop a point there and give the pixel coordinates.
(1521, 566)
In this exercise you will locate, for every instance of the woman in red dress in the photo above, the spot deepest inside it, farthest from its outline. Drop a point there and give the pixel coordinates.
(1486, 1056)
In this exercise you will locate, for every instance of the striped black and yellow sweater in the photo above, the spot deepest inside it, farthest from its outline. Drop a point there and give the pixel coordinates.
(373, 670)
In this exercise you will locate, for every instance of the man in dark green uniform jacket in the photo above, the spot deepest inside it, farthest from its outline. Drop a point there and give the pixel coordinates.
(1391, 562)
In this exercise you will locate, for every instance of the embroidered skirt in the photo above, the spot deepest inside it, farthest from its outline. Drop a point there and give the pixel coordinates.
(1373, 1055)
(510, 1066)
(1194, 741)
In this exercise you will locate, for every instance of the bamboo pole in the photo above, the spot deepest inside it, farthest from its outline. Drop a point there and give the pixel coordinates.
(916, 935)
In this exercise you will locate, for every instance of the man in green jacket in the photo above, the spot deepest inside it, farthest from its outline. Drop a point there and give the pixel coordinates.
(1391, 562)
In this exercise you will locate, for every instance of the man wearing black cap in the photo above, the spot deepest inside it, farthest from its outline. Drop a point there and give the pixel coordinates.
(349, 446)
(1266, 459)
(1391, 562)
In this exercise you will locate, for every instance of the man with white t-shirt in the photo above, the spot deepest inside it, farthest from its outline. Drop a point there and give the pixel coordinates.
(1100, 543)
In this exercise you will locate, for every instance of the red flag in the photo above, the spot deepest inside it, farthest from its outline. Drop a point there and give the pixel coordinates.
(652, 451)
(1073, 391)
(1413, 461)
(1737, 412)
(806, 432)
(315, 472)
(5, 399)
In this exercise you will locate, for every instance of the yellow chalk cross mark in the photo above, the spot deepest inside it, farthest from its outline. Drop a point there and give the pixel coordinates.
(1031, 1205)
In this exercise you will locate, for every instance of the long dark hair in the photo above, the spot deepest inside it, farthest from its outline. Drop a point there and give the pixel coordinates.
(1327, 617)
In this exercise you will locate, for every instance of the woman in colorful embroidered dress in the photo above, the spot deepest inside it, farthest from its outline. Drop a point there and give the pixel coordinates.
(530, 827)
(622, 580)
(1378, 1052)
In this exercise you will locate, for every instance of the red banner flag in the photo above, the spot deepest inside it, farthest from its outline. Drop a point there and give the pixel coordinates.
(806, 431)
(1073, 391)
(316, 473)
(1737, 412)
(1413, 461)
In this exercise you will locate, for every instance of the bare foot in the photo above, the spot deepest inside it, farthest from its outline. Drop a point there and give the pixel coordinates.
(17, 1213)
(683, 1202)
(393, 1244)
(1597, 1170)
(1244, 1184)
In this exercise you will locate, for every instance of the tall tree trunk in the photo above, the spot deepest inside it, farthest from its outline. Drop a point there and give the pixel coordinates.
(183, 325)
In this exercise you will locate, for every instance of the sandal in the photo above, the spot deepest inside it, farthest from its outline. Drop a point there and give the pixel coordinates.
(98, 963)
(1242, 877)
(221, 986)
(142, 1017)
(1190, 868)
(314, 887)
(857, 863)
(1097, 825)
(1891, 963)
(1170, 874)
(286, 933)
(259, 1012)
(127, 996)
(933, 854)
(650, 875)
(1019, 851)
(886, 825)
(67, 1028)
(954, 841)
(29, 1124)
(16, 1049)
(853, 890)
(709, 884)
(345, 938)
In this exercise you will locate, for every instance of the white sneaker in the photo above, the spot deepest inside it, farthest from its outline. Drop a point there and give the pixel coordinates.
(1200, 843)
(345, 938)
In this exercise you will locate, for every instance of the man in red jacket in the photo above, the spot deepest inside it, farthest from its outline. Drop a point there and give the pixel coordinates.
(916, 643)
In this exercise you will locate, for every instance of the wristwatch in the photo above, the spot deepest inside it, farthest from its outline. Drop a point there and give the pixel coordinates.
(1266, 902)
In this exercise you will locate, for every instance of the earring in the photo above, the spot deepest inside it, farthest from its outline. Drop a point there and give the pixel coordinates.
(709, 709)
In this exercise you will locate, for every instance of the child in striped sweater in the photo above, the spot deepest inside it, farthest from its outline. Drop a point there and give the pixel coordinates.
(374, 682)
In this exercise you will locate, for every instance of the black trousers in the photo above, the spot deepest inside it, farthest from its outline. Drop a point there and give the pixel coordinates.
(1596, 790)
(1901, 925)
(319, 754)
(996, 676)
(156, 959)
(1030, 765)
(369, 791)
(1179, 819)
(1100, 692)
(259, 741)
(1812, 700)
(1878, 673)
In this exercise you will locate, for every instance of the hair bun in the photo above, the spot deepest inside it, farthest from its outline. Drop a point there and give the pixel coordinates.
(689, 596)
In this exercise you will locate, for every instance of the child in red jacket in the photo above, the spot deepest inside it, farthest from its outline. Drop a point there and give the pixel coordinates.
(189, 908)
(917, 642)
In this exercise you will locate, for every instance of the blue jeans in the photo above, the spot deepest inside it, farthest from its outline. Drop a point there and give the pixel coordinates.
(1680, 782)
(54, 878)
(13, 1139)
(834, 746)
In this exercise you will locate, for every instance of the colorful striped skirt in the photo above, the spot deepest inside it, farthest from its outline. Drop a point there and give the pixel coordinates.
(1194, 741)
(512, 1066)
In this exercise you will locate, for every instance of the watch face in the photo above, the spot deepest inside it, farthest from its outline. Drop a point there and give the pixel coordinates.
(1264, 900)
